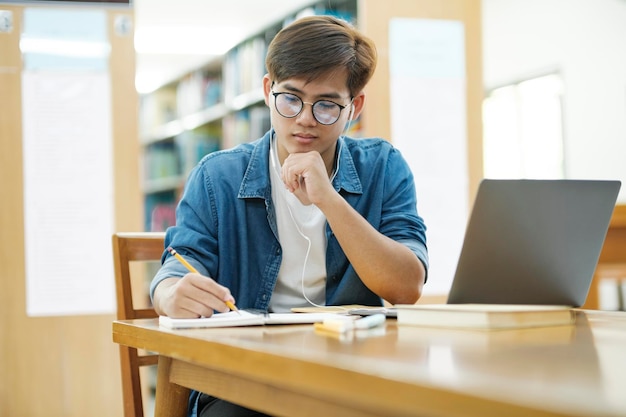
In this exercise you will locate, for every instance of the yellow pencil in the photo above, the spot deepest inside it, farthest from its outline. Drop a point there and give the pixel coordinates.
(192, 269)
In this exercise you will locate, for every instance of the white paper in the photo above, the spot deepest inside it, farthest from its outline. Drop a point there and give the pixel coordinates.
(68, 162)
(428, 124)
(68, 193)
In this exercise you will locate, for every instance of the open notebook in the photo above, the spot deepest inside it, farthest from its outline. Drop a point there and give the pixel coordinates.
(244, 318)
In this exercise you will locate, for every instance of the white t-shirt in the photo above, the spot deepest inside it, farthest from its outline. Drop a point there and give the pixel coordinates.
(301, 232)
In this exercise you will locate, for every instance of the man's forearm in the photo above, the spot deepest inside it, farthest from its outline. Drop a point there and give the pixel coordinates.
(387, 267)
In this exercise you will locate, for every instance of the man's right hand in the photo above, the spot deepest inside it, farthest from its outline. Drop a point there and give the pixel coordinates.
(193, 295)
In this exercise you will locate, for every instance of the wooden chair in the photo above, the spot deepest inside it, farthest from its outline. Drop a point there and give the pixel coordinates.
(128, 248)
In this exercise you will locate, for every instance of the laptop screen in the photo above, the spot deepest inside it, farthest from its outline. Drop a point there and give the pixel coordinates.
(533, 241)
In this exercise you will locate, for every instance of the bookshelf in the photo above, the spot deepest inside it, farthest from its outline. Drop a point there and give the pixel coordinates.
(179, 123)
(217, 106)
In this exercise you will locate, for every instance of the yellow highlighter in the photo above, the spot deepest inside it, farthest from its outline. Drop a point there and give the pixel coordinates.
(190, 268)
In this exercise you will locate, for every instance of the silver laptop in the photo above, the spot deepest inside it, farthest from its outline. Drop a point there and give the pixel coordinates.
(533, 241)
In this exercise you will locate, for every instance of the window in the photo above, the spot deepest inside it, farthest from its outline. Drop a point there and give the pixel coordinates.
(523, 130)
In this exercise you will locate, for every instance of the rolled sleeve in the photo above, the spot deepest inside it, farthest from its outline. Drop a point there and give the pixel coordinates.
(172, 268)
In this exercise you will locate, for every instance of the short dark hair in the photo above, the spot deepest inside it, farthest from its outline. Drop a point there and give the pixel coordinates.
(315, 46)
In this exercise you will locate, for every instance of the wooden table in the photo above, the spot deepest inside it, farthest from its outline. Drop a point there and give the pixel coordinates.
(577, 370)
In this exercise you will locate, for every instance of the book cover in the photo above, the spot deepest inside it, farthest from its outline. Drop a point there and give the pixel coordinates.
(484, 316)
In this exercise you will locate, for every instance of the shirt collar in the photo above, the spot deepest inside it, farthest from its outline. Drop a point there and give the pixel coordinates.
(256, 180)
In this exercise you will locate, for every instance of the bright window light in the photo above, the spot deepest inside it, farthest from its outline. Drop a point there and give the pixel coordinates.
(523, 130)
(83, 49)
(186, 40)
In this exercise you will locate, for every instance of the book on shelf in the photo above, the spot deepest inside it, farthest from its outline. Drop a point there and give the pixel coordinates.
(197, 91)
(259, 121)
(244, 318)
(244, 67)
(193, 145)
(161, 161)
(156, 109)
(160, 209)
(163, 216)
(484, 316)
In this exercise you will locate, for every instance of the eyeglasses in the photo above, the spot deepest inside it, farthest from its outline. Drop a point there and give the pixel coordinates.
(290, 105)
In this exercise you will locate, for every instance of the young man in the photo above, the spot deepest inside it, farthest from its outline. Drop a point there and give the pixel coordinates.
(303, 216)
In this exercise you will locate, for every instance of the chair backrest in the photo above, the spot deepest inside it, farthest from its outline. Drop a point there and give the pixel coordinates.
(129, 248)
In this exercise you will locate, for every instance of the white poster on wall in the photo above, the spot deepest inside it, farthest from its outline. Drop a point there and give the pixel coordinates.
(68, 163)
(428, 125)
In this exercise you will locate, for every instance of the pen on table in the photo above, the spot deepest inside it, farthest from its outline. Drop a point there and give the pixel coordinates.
(190, 268)
(370, 322)
(342, 325)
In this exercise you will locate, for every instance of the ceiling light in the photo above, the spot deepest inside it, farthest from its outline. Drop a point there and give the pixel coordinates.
(172, 40)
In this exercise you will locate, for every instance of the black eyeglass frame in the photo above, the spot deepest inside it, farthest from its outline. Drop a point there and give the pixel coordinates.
(275, 94)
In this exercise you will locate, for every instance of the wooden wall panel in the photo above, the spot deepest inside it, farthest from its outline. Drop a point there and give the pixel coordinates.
(11, 216)
(374, 16)
(126, 146)
(59, 366)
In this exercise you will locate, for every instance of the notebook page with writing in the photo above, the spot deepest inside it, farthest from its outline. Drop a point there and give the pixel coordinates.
(243, 318)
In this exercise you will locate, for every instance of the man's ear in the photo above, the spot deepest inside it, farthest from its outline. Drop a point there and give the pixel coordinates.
(267, 87)
(357, 105)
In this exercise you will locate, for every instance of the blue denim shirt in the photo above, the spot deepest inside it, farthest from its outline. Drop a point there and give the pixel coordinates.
(235, 240)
